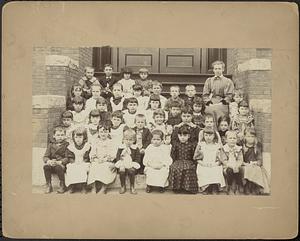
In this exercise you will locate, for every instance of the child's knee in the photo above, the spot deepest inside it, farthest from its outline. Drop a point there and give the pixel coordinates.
(47, 167)
(131, 171)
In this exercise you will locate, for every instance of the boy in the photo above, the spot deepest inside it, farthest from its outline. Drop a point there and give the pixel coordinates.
(87, 80)
(190, 93)
(156, 90)
(67, 124)
(130, 113)
(174, 117)
(174, 92)
(55, 159)
(90, 104)
(117, 100)
(108, 81)
(144, 81)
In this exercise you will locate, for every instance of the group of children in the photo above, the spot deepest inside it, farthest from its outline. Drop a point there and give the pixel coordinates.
(128, 127)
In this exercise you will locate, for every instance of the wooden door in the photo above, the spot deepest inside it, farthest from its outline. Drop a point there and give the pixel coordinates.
(180, 60)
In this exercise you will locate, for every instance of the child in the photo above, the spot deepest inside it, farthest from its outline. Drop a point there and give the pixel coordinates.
(102, 169)
(174, 115)
(143, 101)
(55, 159)
(234, 105)
(198, 112)
(255, 176)
(183, 176)
(154, 104)
(157, 160)
(144, 81)
(232, 160)
(209, 169)
(209, 121)
(87, 81)
(130, 113)
(107, 82)
(92, 127)
(117, 128)
(159, 117)
(90, 103)
(156, 90)
(67, 124)
(143, 136)
(241, 121)
(103, 107)
(127, 82)
(190, 93)
(186, 119)
(80, 115)
(223, 127)
(174, 92)
(76, 91)
(78, 160)
(117, 100)
(128, 160)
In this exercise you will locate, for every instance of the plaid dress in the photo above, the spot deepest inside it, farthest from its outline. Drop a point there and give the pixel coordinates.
(183, 174)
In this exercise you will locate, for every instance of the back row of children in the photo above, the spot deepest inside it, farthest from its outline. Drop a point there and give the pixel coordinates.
(128, 127)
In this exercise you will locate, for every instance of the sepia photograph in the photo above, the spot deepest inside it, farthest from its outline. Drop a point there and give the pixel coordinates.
(117, 120)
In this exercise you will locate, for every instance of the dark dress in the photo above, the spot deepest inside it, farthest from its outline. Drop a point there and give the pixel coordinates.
(173, 120)
(183, 174)
(194, 135)
(107, 81)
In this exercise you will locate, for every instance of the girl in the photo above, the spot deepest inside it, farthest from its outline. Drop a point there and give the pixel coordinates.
(90, 104)
(80, 116)
(144, 81)
(157, 160)
(209, 169)
(154, 104)
(117, 100)
(102, 170)
(117, 128)
(77, 160)
(223, 127)
(255, 177)
(128, 160)
(103, 107)
(156, 90)
(232, 160)
(127, 82)
(198, 112)
(183, 176)
(76, 91)
(92, 127)
(209, 121)
(142, 100)
(234, 105)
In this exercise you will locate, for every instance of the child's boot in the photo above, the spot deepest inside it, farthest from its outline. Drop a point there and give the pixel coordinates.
(123, 182)
(103, 189)
(148, 189)
(49, 188)
(161, 189)
(61, 187)
(132, 189)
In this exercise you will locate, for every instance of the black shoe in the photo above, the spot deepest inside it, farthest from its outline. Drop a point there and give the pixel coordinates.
(148, 189)
(61, 188)
(161, 190)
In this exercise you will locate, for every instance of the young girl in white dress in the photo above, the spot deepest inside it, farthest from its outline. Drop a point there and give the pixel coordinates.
(157, 160)
(209, 168)
(116, 131)
(80, 115)
(127, 82)
(102, 171)
(92, 127)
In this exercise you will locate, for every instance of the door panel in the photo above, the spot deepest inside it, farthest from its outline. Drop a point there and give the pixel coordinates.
(136, 58)
(180, 60)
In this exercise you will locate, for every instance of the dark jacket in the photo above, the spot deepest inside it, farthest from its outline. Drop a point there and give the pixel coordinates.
(57, 152)
(146, 137)
(135, 155)
(103, 82)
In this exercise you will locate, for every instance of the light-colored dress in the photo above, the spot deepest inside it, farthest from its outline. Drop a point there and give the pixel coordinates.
(100, 168)
(117, 136)
(92, 132)
(207, 172)
(143, 103)
(90, 104)
(166, 129)
(80, 118)
(129, 118)
(127, 87)
(116, 106)
(157, 156)
(77, 171)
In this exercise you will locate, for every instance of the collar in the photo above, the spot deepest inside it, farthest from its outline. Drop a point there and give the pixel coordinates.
(197, 114)
(108, 77)
(236, 148)
(123, 146)
(218, 77)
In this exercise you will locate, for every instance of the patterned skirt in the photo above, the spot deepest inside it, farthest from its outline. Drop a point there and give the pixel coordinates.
(183, 176)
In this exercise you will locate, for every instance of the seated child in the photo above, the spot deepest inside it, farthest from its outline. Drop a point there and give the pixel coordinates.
(143, 136)
(87, 81)
(186, 119)
(190, 93)
(241, 121)
(127, 82)
(154, 104)
(117, 100)
(103, 107)
(143, 101)
(107, 82)
(76, 91)
(117, 128)
(156, 90)
(174, 92)
(209, 168)
(183, 176)
(223, 127)
(157, 160)
(90, 103)
(92, 127)
(78, 160)
(198, 112)
(67, 124)
(128, 160)
(174, 115)
(238, 96)
(80, 115)
(255, 177)
(130, 113)
(102, 169)
(144, 81)
(232, 160)
(55, 159)
(209, 121)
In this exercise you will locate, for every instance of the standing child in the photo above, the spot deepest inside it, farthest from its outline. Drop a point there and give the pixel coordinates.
(144, 81)
(156, 90)
(80, 115)
(174, 92)
(183, 176)
(76, 91)
(255, 177)
(198, 112)
(209, 169)
(157, 160)
(102, 169)
(87, 81)
(55, 159)
(130, 113)
(174, 115)
(78, 161)
(234, 105)
(232, 159)
(92, 127)
(209, 121)
(117, 128)
(117, 100)
(103, 107)
(223, 127)
(90, 103)
(108, 81)
(190, 94)
(128, 161)
(127, 82)
(143, 101)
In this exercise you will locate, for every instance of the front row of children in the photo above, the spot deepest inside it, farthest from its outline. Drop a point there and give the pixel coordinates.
(185, 166)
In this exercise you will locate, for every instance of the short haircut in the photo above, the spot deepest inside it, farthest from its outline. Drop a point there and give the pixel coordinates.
(184, 129)
(117, 114)
(143, 70)
(88, 68)
(129, 133)
(132, 100)
(210, 130)
(78, 100)
(140, 116)
(159, 112)
(156, 83)
(101, 100)
(67, 114)
(108, 65)
(230, 132)
(94, 113)
(126, 70)
(187, 110)
(96, 86)
(190, 86)
(80, 131)
(137, 87)
(154, 97)
(159, 133)
(223, 118)
(104, 125)
(217, 63)
(175, 103)
(175, 86)
(209, 116)
(58, 128)
(118, 84)
(243, 103)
